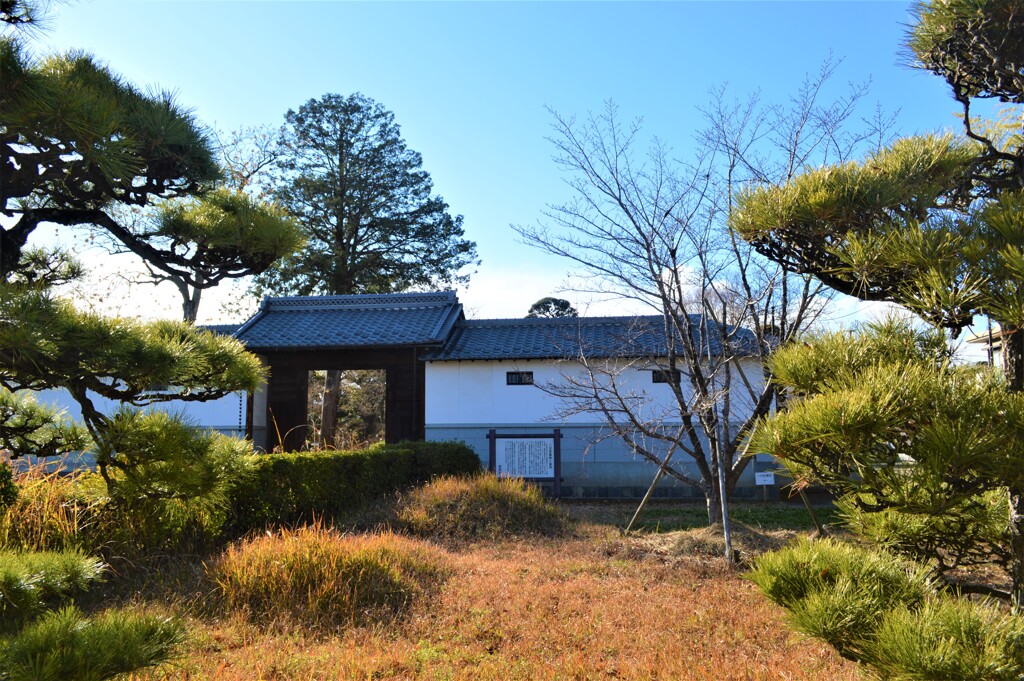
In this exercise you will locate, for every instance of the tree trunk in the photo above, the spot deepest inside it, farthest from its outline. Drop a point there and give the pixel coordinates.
(1017, 549)
(714, 501)
(329, 415)
(189, 299)
(190, 306)
(1013, 357)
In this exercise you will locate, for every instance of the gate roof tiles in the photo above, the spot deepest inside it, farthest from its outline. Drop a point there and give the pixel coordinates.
(361, 321)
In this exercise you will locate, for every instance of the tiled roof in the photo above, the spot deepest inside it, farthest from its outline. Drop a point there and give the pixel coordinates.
(565, 338)
(221, 329)
(362, 321)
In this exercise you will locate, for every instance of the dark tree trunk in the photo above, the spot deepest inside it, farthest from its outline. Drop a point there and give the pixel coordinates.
(1017, 548)
(329, 415)
(190, 306)
(12, 242)
(1013, 357)
(714, 503)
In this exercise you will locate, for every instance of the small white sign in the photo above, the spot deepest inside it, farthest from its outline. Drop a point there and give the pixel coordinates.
(525, 458)
(764, 478)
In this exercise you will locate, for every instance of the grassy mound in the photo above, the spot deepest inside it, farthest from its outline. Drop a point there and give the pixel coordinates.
(480, 507)
(709, 541)
(322, 578)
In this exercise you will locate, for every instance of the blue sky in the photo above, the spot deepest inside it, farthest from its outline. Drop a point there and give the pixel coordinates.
(469, 82)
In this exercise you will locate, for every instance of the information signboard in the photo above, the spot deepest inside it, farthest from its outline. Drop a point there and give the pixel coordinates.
(530, 456)
(764, 478)
(525, 458)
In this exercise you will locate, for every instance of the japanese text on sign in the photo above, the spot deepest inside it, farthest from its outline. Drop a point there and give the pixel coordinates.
(525, 458)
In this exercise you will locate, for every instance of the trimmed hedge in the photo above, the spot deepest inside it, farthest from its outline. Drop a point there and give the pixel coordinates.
(287, 488)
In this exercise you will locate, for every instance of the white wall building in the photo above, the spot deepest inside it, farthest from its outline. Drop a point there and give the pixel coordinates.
(509, 376)
(450, 378)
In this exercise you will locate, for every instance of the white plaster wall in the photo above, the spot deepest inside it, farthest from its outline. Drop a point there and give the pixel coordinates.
(226, 413)
(474, 392)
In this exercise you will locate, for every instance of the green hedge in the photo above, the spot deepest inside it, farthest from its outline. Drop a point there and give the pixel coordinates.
(435, 459)
(287, 488)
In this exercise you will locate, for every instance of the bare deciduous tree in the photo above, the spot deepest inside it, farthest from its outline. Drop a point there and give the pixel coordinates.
(653, 229)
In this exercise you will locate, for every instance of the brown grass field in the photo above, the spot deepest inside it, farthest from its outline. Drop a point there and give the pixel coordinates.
(591, 606)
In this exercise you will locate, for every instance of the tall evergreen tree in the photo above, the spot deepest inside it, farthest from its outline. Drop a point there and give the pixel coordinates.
(370, 220)
(552, 308)
(365, 204)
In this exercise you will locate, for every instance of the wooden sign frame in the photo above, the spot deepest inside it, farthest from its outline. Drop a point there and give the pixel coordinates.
(555, 436)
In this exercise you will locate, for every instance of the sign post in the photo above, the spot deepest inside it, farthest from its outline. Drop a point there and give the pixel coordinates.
(530, 456)
(764, 480)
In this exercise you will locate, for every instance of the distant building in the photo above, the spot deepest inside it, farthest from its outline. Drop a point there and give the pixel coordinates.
(992, 341)
(450, 378)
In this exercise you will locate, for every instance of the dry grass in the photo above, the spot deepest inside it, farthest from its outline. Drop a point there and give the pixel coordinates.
(480, 507)
(319, 578)
(709, 542)
(539, 609)
(49, 513)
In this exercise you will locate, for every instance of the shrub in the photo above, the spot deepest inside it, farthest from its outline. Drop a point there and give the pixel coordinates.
(838, 592)
(972, 532)
(56, 511)
(64, 645)
(436, 459)
(883, 612)
(480, 507)
(287, 488)
(323, 578)
(172, 480)
(948, 638)
(29, 581)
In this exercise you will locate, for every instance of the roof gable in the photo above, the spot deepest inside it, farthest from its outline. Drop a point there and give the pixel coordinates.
(359, 321)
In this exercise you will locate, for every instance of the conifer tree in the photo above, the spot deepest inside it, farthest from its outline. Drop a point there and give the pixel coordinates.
(370, 220)
(933, 222)
(77, 143)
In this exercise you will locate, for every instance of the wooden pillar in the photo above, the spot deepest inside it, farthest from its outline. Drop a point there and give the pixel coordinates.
(287, 409)
(406, 389)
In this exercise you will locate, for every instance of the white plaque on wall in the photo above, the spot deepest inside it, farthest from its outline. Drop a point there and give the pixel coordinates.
(525, 458)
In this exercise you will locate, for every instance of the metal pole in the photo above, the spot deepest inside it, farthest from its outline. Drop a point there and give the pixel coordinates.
(726, 529)
(643, 502)
(991, 350)
(822, 532)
